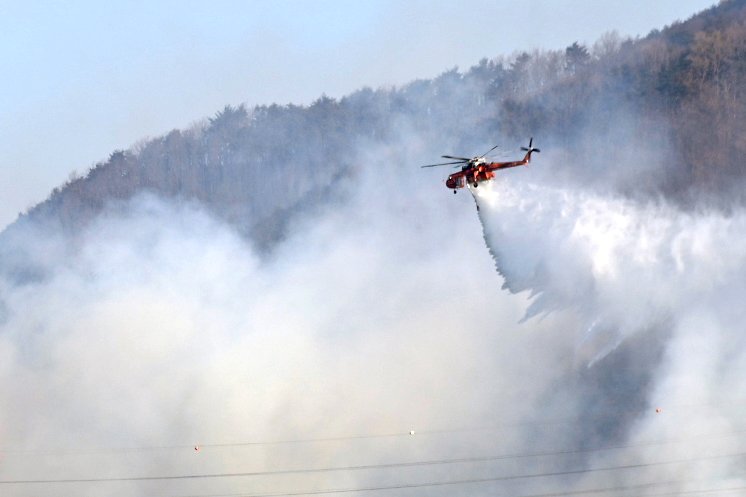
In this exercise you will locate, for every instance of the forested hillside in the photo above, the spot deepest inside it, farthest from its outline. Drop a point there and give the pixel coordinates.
(678, 91)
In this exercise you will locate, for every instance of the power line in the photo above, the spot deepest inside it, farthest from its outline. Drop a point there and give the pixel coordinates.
(368, 467)
(201, 445)
(700, 491)
(403, 434)
(148, 448)
(568, 493)
(441, 484)
(300, 441)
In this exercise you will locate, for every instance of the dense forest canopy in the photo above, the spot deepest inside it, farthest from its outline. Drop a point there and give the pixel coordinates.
(659, 115)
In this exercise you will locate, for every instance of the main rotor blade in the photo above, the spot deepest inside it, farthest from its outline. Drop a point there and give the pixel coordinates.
(444, 164)
(488, 151)
(459, 158)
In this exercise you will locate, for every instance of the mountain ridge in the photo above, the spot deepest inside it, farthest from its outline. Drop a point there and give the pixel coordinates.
(675, 82)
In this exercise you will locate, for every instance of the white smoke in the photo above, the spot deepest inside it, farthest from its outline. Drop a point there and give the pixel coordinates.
(159, 329)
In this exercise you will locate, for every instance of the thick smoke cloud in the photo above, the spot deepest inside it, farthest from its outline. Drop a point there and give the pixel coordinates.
(159, 328)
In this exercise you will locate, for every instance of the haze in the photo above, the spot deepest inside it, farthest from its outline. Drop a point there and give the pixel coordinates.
(83, 79)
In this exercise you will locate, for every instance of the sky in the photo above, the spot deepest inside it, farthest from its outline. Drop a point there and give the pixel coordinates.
(83, 78)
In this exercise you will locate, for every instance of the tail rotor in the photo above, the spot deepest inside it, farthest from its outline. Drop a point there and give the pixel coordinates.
(530, 149)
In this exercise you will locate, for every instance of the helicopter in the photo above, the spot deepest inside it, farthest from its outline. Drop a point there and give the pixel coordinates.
(476, 169)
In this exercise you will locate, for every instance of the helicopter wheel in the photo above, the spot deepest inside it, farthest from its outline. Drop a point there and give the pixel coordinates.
(454, 192)
(476, 184)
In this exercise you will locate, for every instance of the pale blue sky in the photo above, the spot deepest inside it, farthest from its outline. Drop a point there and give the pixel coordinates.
(82, 78)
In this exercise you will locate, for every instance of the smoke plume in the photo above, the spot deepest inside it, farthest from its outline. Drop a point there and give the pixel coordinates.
(158, 352)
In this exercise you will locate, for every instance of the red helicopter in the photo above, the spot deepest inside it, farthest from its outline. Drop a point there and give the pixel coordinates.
(477, 169)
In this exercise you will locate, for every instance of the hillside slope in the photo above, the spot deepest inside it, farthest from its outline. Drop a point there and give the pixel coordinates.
(658, 115)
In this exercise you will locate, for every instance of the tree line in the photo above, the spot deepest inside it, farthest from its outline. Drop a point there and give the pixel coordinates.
(679, 89)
